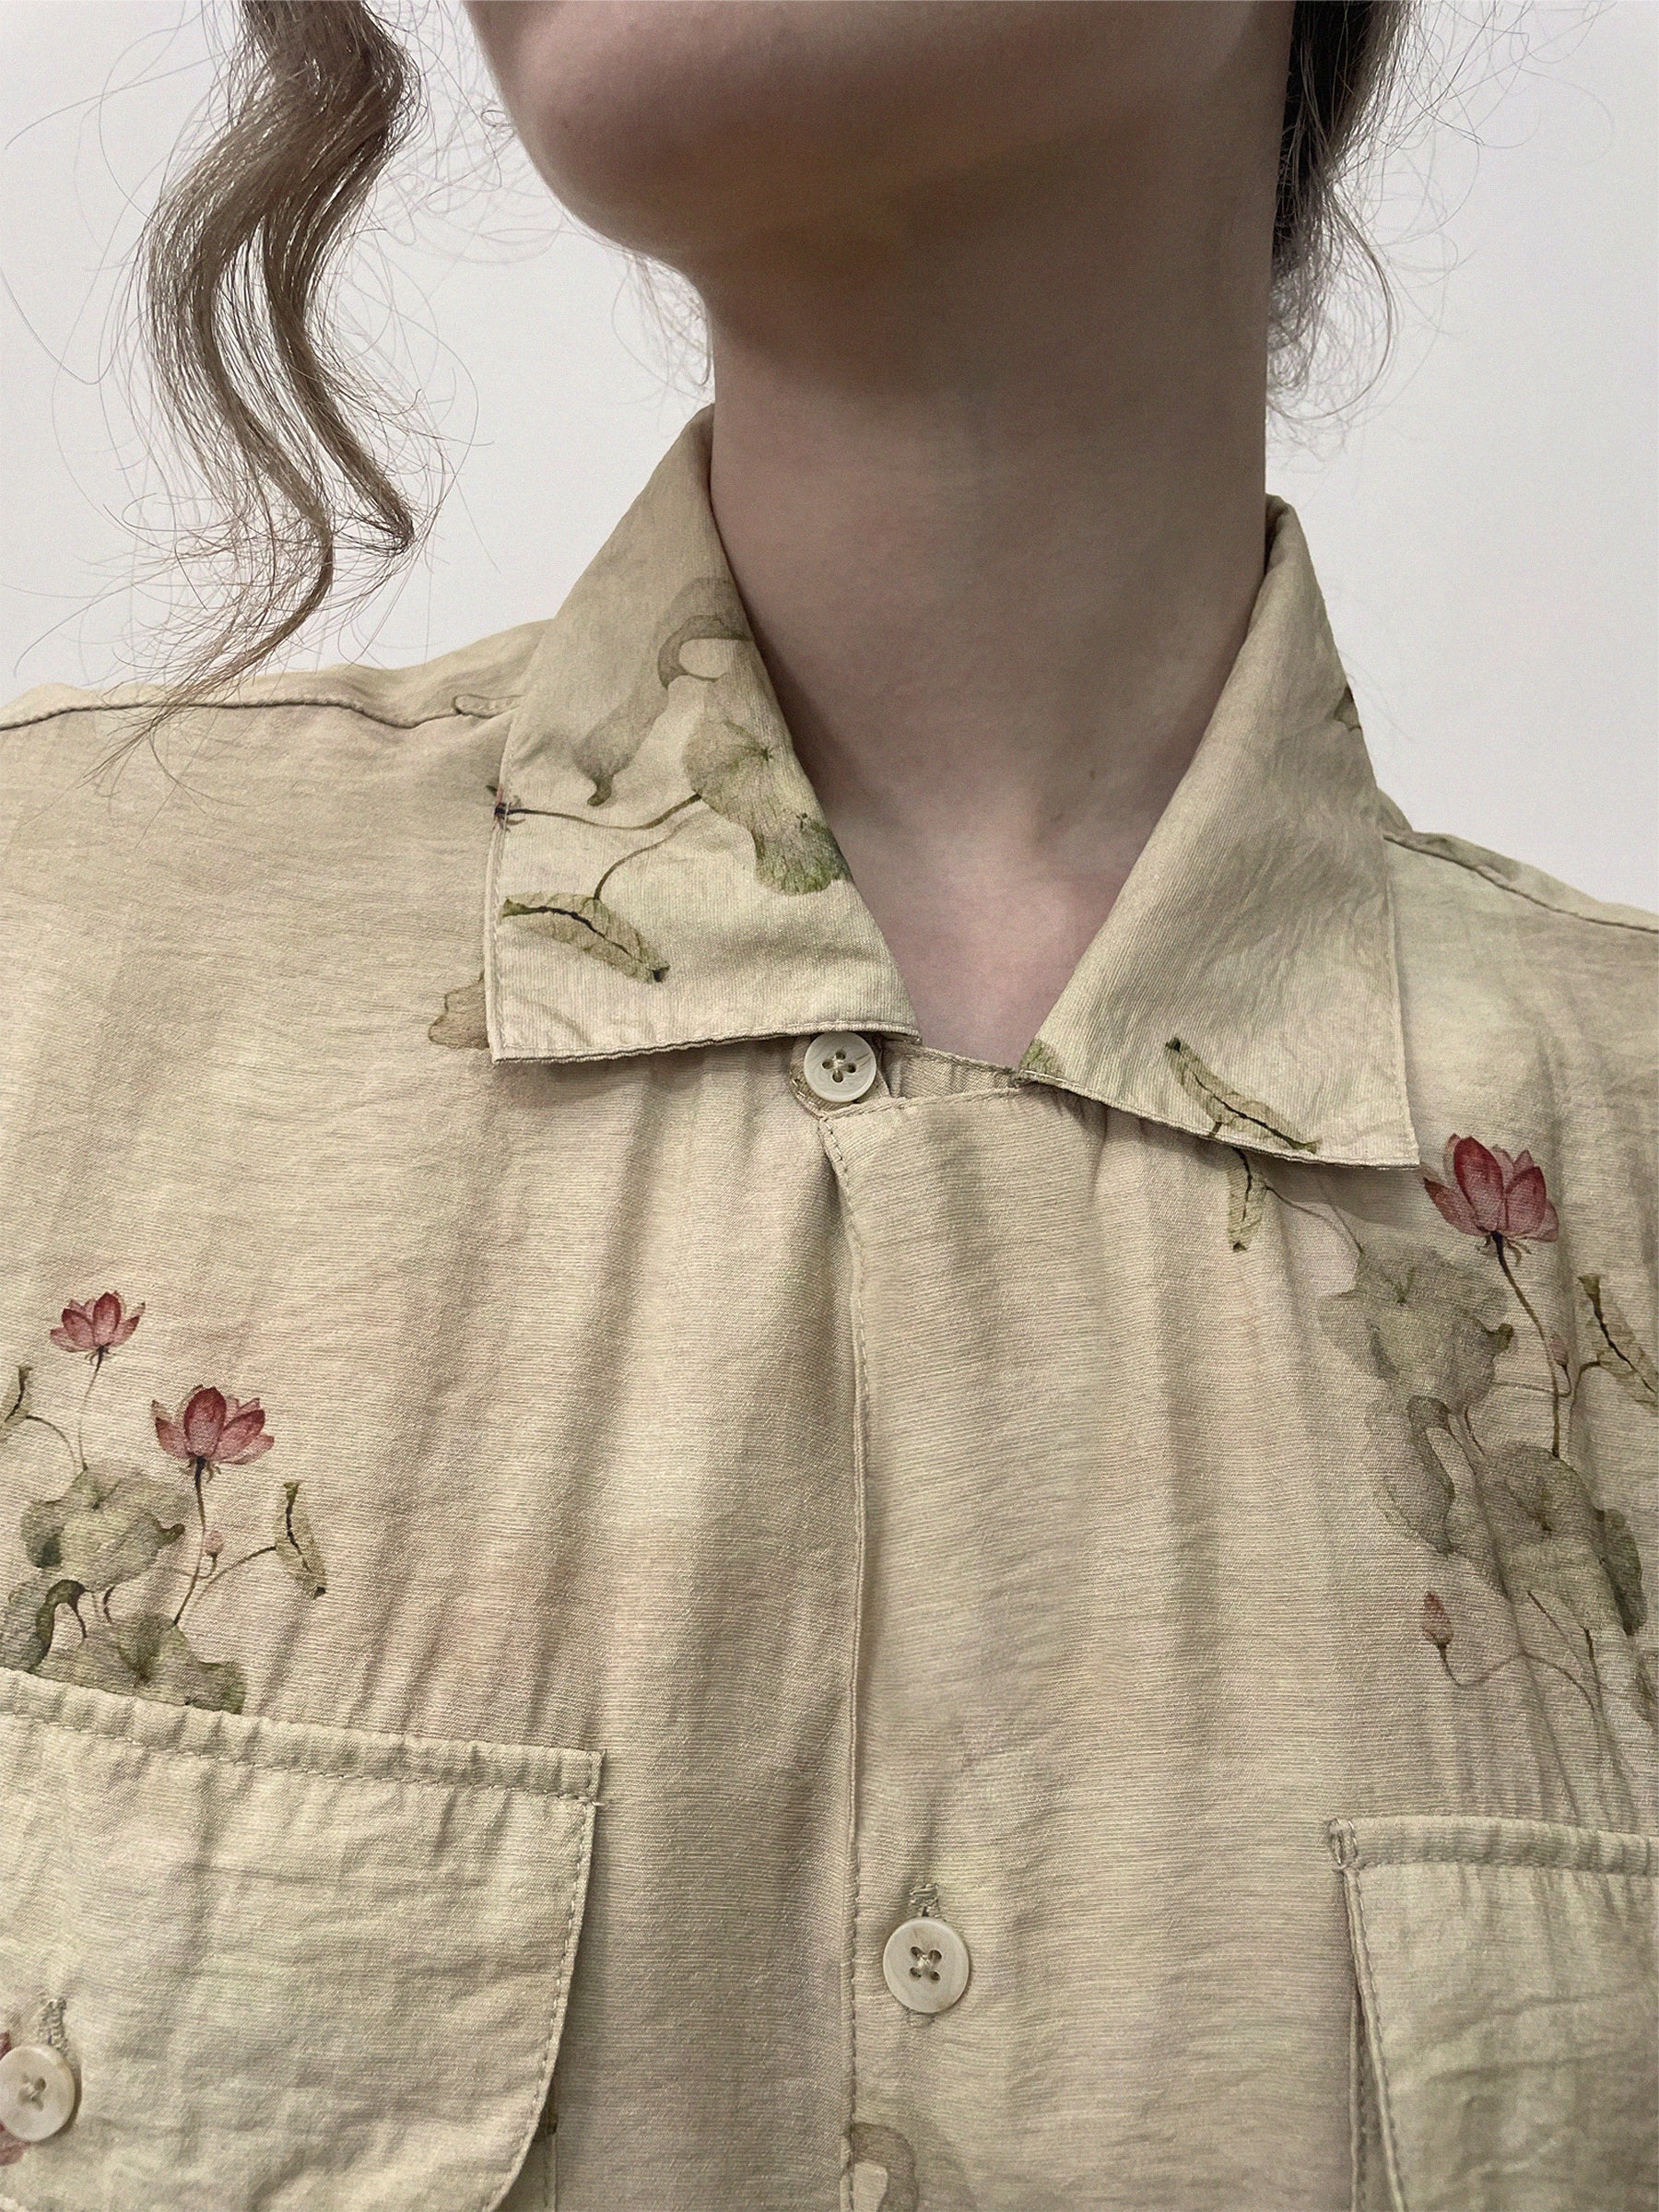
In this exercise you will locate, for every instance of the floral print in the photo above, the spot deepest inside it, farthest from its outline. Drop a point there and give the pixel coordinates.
(881, 2169)
(575, 918)
(1618, 1351)
(1439, 1631)
(1486, 1194)
(460, 1021)
(1227, 1108)
(116, 1524)
(1500, 1200)
(1444, 1337)
(1039, 1059)
(1437, 1624)
(101, 1325)
(704, 692)
(212, 1431)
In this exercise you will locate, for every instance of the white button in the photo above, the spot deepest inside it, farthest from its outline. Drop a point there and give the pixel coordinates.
(926, 1963)
(840, 1065)
(37, 2092)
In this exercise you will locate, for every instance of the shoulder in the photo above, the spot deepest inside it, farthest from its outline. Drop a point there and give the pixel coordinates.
(1525, 994)
(302, 797)
(93, 780)
(1481, 921)
(1452, 861)
(480, 679)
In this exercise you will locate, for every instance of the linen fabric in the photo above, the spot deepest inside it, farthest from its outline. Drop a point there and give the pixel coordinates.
(528, 1533)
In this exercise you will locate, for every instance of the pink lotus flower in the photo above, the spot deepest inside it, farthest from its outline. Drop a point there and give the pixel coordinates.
(99, 1326)
(1437, 1623)
(1486, 1194)
(213, 1430)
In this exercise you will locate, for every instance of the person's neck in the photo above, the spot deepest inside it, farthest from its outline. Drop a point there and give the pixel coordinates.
(993, 490)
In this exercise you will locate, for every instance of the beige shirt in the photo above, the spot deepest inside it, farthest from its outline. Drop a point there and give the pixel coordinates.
(566, 1479)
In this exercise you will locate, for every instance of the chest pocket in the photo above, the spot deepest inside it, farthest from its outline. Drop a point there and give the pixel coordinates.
(1504, 2055)
(292, 1968)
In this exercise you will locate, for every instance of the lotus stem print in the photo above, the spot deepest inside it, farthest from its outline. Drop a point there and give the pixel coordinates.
(1518, 1513)
(115, 1524)
(704, 694)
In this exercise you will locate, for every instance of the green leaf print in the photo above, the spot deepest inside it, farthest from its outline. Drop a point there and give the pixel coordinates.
(610, 746)
(704, 696)
(707, 607)
(297, 1546)
(1421, 1324)
(14, 1400)
(108, 1526)
(461, 1021)
(1623, 1564)
(146, 1657)
(751, 781)
(1517, 1512)
(592, 927)
(1041, 1059)
(1617, 1348)
(1418, 1495)
(1229, 1109)
(1558, 1539)
(1435, 1497)
(1245, 1200)
(30, 1616)
(113, 1523)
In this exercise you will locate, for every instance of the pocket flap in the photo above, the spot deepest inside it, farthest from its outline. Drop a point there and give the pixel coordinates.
(1506, 1984)
(293, 1966)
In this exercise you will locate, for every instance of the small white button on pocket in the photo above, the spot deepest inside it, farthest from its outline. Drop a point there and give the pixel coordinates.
(37, 2092)
(925, 1964)
(840, 1065)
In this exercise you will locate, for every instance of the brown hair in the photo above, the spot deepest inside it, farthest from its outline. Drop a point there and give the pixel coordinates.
(285, 432)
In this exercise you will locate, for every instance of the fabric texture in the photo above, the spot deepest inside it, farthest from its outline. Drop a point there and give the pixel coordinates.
(438, 1311)
(1506, 1984)
(271, 2000)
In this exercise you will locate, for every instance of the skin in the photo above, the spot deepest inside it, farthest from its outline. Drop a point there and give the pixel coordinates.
(987, 285)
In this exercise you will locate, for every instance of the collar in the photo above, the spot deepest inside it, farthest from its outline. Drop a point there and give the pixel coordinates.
(661, 873)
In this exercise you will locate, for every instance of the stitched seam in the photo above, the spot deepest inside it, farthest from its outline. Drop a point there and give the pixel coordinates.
(1356, 2102)
(1484, 1865)
(1391, 2149)
(248, 706)
(936, 1052)
(513, 1058)
(555, 2016)
(301, 1766)
(860, 1462)
(1500, 883)
(1006, 1093)
(1595, 1873)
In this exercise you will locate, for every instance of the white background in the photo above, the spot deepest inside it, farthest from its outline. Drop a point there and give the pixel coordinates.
(1484, 522)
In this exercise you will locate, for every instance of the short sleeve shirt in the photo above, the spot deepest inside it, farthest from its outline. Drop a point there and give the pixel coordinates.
(625, 1587)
